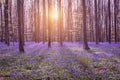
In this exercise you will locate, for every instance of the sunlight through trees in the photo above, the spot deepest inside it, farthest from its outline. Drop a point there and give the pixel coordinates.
(59, 21)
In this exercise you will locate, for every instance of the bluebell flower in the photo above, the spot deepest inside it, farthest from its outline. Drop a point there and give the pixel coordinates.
(12, 74)
(89, 73)
(92, 79)
(31, 62)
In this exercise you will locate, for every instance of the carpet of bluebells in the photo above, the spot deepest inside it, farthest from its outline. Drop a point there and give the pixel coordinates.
(70, 62)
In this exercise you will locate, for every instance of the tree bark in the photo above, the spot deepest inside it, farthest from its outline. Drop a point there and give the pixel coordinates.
(96, 23)
(109, 12)
(39, 21)
(7, 41)
(49, 25)
(115, 19)
(20, 24)
(35, 21)
(44, 21)
(1, 23)
(60, 21)
(85, 42)
(69, 20)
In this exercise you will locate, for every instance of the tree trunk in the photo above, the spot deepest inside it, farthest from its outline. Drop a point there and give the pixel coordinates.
(115, 19)
(35, 21)
(60, 21)
(7, 41)
(12, 35)
(20, 24)
(22, 20)
(69, 20)
(96, 23)
(38, 27)
(109, 12)
(85, 42)
(1, 22)
(44, 20)
(49, 25)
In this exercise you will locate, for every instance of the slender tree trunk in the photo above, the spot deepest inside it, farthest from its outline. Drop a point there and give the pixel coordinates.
(44, 20)
(11, 21)
(69, 20)
(85, 42)
(96, 23)
(35, 21)
(60, 21)
(106, 25)
(115, 19)
(20, 24)
(99, 25)
(109, 12)
(38, 27)
(7, 41)
(22, 20)
(1, 22)
(33, 35)
(91, 22)
(49, 25)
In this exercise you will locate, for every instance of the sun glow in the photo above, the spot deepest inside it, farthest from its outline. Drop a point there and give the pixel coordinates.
(54, 14)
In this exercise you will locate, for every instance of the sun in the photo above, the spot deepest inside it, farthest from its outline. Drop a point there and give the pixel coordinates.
(54, 14)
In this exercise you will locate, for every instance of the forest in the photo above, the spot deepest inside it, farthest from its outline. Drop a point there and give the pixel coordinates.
(59, 39)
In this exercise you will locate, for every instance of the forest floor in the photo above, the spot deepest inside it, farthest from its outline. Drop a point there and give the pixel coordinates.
(70, 62)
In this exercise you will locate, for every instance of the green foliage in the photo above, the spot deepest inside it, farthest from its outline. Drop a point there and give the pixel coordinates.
(6, 62)
(69, 64)
(97, 66)
(85, 61)
(35, 78)
(28, 67)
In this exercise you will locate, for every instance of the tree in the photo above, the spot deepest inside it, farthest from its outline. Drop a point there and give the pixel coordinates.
(60, 21)
(109, 13)
(106, 24)
(96, 22)
(69, 20)
(1, 24)
(35, 21)
(91, 21)
(49, 24)
(20, 24)
(44, 20)
(115, 18)
(85, 44)
(22, 21)
(38, 22)
(7, 41)
(10, 13)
